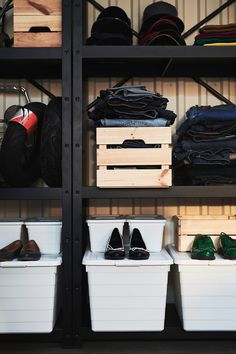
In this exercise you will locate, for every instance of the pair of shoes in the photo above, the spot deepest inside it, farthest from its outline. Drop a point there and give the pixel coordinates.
(203, 247)
(28, 252)
(115, 246)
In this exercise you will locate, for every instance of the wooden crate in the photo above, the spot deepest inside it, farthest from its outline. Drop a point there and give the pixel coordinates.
(37, 13)
(187, 227)
(131, 177)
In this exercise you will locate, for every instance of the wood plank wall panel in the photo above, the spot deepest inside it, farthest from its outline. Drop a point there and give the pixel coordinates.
(26, 209)
(182, 94)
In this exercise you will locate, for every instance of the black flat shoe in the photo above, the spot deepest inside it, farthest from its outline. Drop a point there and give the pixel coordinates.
(138, 249)
(11, 251)
(115, 246)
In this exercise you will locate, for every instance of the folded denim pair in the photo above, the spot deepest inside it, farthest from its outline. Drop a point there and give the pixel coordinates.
(205, 174)
(158, 122)
(208, 115)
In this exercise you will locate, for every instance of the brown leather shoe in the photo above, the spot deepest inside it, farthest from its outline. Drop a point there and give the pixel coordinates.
(11, 251)
(30, 252)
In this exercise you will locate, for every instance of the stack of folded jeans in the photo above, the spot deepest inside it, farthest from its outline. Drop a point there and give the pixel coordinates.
(161, 25)
(205, 152)
(131, 106)
(217, 35)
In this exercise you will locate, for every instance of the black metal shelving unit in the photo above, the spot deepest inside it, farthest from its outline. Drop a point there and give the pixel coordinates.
(49, 63)
(99, 61)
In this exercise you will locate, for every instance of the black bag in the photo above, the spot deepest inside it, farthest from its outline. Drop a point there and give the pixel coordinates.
(20, 150)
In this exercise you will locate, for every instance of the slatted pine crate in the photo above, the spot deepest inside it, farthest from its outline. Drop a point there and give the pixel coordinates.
(188, 226)
(37, 13)
(146, 167)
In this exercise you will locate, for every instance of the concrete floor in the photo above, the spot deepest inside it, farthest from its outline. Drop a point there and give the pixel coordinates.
(181, 347)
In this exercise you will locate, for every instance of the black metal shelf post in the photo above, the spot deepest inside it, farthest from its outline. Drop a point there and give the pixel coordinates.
(66, 171)
(50, 63)
(79, 13)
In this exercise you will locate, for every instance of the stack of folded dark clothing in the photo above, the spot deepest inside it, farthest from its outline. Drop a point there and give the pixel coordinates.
(217, 35)
(205, 152)
(161, 25)
(112, 27)
(131, 106)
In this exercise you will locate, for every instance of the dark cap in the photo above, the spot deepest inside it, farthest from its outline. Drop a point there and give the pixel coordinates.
(161, 9)
(111, 25)
(115, 12)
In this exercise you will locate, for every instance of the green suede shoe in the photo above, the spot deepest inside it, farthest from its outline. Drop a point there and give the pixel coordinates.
(228, 246)
(203, 248)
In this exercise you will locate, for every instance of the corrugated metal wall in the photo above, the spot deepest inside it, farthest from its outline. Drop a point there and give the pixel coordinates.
(182, 94)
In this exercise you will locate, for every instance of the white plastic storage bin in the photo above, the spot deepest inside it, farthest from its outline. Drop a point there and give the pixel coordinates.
(10, 231)
(151, 228)
(100, 229)
(47, 234)
(28, 295)
(127, 295)
(205, 292)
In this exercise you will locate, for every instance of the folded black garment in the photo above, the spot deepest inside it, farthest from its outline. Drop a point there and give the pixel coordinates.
(206, 133)
(203, 157)
(188, 143)
(203, 175)
(97, 115)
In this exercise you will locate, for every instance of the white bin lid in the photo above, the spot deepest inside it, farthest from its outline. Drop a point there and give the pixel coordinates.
(44, 261)
(156, 258)
(106, 218)
(42, 221)
(147, 218)
(184, 258)
(10, 221)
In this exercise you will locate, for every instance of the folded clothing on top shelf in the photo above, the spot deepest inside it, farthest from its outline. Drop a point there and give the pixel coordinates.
(213, 35)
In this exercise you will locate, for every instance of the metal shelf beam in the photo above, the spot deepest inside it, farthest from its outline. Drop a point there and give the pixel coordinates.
(172, 192)
(30, 193)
